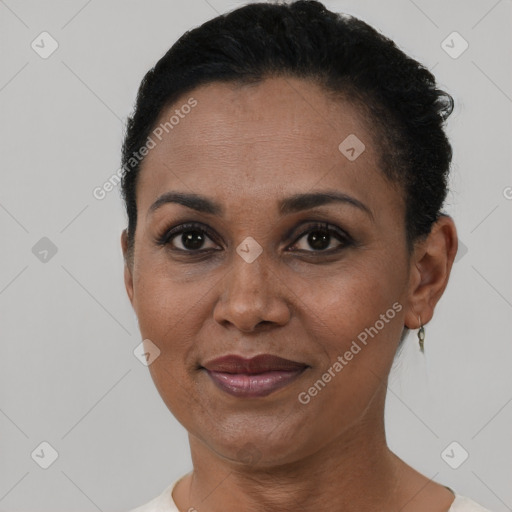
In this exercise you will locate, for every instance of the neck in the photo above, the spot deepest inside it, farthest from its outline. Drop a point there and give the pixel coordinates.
(354, 471)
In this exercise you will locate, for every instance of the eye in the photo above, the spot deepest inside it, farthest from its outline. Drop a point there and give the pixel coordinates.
(188, 238)
(320, 237)
(192, 238)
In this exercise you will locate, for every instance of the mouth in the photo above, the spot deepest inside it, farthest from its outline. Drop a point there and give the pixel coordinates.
(256, 377)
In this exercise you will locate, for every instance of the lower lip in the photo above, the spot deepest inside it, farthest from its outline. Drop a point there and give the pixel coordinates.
(256, 385)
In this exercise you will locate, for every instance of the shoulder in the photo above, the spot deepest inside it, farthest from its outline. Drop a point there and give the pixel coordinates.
(464, 504)
(162, 503)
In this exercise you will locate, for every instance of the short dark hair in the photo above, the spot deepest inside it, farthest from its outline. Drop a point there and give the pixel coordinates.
(346, 56)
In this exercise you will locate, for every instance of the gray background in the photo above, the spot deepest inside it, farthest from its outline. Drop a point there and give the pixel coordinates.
(68, 375)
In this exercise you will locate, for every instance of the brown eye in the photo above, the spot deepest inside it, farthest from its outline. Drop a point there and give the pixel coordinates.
(187, 238)
(191, 240)
(320, 238)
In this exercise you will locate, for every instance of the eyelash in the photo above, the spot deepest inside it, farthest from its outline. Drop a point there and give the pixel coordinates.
(340, 235)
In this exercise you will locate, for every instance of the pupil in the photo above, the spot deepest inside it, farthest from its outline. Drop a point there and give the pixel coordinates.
(192, 240)
(319, 240)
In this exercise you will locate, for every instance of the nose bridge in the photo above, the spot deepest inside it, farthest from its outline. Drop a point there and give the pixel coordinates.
(250, 294)
(250, 261)
(249, 276)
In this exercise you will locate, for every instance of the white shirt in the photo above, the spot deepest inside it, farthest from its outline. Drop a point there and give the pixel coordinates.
(165, 503)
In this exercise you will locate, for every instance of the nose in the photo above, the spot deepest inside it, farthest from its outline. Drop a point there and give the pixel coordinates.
(252, 297)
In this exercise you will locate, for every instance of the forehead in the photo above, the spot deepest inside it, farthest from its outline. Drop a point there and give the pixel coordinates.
(259, 140)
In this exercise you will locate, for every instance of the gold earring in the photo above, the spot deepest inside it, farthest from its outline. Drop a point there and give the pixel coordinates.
(421, 336)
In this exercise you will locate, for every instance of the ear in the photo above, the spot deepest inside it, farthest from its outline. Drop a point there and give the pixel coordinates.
(128, 265)
(430, 270)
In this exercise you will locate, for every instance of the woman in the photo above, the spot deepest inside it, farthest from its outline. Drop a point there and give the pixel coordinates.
(284, 173)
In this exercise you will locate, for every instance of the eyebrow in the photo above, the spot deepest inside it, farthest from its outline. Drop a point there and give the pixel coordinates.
(292, 204)
(310, 200)
(193, 201)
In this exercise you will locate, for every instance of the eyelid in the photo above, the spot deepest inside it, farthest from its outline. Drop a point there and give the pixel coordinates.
(170, 233)
(324, 226)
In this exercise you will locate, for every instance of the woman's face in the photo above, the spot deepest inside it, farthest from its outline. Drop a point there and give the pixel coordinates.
(264, 279)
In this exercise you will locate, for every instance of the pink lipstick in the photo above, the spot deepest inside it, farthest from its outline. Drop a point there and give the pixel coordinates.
(255, 377)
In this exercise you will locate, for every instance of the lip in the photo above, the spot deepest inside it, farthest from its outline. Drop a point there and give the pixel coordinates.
(255, 377)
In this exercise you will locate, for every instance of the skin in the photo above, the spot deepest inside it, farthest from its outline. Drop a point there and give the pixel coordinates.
(247, 147)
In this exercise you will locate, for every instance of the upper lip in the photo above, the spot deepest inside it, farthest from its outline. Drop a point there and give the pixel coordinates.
(259, 364)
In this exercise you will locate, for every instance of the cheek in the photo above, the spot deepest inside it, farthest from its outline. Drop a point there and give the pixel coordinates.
(357, 337)
(354, 295)
(165, 308)
(357, 315)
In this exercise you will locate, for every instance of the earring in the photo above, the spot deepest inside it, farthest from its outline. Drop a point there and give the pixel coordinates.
(421, 336)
